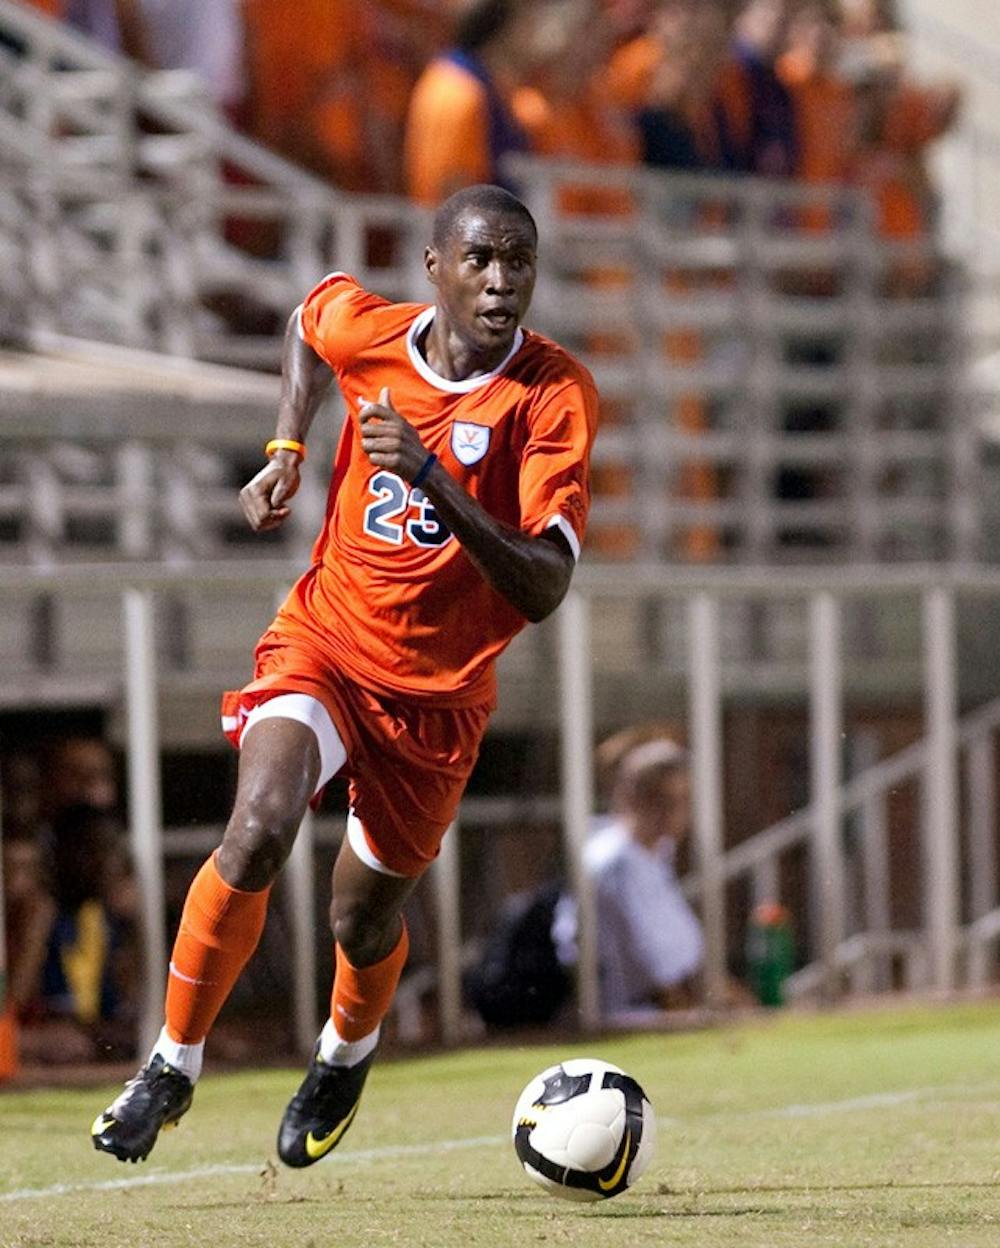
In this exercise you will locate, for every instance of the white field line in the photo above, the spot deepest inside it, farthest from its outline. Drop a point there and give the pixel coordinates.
(158, 1178)
(876, 1100)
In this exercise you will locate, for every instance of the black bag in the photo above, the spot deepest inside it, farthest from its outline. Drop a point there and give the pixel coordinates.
(519, 981)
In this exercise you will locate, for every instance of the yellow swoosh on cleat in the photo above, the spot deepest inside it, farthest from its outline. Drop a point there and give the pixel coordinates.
(607, 1184)
(315, 1149)
(101, 1125)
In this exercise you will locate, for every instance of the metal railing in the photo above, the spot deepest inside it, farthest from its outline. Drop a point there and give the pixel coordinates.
(958, 908)
(772, 397)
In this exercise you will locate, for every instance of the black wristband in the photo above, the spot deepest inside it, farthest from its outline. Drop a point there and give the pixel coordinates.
(425, 468)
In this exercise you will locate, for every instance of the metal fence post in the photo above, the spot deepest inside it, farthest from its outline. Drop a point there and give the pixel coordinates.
(940, 809)
(825, 740)
(145, 805)
(705, 711)
(577, 713)
(445, 877)
(300, 899)
(981, 792)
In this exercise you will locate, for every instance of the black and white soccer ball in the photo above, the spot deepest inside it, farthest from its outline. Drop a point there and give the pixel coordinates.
(584, 1130)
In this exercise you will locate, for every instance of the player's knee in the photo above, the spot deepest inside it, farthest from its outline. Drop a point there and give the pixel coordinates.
(256, 845)
(365, 936)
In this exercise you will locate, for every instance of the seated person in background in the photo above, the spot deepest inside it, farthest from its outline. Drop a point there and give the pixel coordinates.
(650, 944)
(77, 770)
(86, 979)
(29, 914)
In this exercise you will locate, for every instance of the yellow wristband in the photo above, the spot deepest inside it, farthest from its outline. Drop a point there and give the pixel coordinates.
(285, 444)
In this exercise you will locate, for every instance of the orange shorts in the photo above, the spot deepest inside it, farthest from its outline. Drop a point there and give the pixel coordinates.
(407, 762)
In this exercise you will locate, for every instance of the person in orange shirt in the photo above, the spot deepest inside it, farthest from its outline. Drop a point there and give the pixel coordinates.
(899, 119)
(825, 105)
(457, 507)
(461, 123)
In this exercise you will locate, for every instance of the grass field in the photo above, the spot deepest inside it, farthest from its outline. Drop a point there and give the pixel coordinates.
(874, 1128)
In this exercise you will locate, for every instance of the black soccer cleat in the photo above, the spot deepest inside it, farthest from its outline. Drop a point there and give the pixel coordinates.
(155, 1099)
(319, 1114)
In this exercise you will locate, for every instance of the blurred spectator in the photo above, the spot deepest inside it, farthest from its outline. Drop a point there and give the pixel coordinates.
(20, 794)
(87, 980)
(74, 896)
(656, 74)
(649, 940)
(568, 113)
(29, 915)
(460, 123)
(329, 83)
(755, 106)
(650, 944)
(78, 770)
(825, 102)
(899, 119)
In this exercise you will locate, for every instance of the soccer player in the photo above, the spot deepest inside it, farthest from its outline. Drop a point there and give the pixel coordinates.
(456, 511)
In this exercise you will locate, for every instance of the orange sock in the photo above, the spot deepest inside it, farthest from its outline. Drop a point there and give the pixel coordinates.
(362, 995)
(219, 930)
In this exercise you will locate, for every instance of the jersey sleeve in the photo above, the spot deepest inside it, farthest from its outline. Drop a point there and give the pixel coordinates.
(333, 321)
(554, 484)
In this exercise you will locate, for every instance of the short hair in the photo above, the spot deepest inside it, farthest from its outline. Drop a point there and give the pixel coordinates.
(643, 766)
(483, 197)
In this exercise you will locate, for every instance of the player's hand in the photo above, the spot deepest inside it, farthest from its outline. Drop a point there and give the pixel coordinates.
(388, 440)
(265, 499)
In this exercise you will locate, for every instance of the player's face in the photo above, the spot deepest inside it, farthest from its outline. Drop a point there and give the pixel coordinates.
(485, 276)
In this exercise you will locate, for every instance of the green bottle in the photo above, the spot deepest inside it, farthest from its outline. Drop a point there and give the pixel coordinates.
(770, 952)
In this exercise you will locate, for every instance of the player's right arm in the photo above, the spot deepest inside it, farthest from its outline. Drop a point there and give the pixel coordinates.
(305, 379)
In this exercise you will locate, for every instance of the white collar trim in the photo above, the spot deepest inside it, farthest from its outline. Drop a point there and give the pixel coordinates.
(421, 322)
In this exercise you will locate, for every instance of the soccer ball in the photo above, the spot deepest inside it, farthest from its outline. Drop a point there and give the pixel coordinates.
(584, 1130)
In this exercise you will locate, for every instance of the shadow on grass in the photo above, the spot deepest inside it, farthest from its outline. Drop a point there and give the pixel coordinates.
(531, 1204)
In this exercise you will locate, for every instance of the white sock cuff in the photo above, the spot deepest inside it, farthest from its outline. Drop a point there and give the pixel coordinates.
(336, 1051)
(187, 1058)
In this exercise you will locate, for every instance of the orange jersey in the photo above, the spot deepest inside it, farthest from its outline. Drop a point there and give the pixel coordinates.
(391, 597)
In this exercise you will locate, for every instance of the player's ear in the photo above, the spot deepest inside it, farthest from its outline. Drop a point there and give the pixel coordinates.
(431, 261)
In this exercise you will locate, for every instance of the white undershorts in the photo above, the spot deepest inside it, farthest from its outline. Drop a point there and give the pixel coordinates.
(332, 756)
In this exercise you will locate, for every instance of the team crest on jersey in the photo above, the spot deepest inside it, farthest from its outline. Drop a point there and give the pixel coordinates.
(469, 442)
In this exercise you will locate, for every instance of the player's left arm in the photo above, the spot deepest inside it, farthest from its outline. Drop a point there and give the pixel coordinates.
(532, 572)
